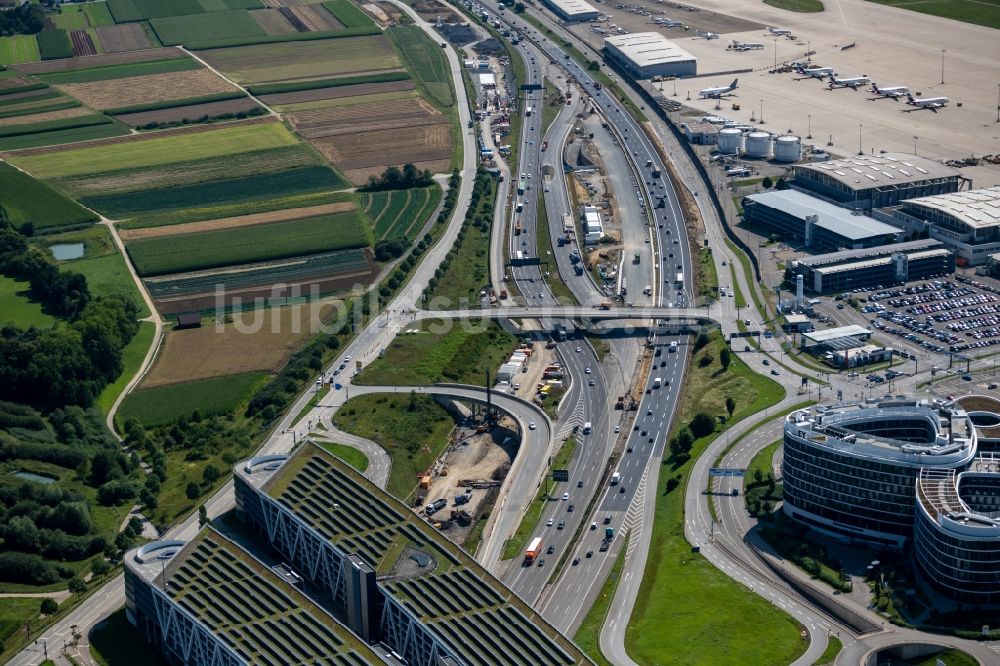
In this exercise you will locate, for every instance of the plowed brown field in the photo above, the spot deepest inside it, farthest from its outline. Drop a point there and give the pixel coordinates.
(124, 37)
(316, 18)
(145, 89)
(46, 116)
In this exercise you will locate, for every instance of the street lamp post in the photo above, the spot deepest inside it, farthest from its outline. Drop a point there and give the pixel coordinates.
(943, 51)
(810, 116)
(998, 102)
(860, 152)
(761, 121)
(914, 144)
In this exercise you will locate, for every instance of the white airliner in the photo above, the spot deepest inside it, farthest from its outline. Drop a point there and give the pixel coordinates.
(853, 82)
(817, 72)
(669, 23)
(718, 92)
(780, 31)
(932, 103)
(892, 92)
(707, 35)
(745, 46)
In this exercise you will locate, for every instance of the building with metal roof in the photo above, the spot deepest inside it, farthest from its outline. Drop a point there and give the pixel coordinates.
(646, 54)
(212, 602)
(967, 222)
(873, 267)
(395, 578)
(831, 335)
(876, 181)
(572, 10)
(823, 226)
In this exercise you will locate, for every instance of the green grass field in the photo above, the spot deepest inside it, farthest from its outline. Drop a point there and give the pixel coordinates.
(805, 6)
(108, 275)
(687, 611)
(16, 307)
(348, 14)
(206, 30)
(39, 106)
(833, 648)
(47, 126)
(18, 48)
(980, 12)
(467, 268)
(98, 14)
(70, 20)
(54, 44)
(351, 456)
(137, 10)
(28, 200)
(458, 355)
(123, 71)
(132, 357)
(396, 213)
(159, 151)
(427, 62)
(216, 395)
(412, 429)
(14, 613)
(262, 242)
(65, 136)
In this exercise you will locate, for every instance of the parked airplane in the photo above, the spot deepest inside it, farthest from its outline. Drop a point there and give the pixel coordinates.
(853, 82)
(745, 46)
(707, 35)
(932, 103)
(668, 23)
(892, 92)
(718, 92)
(780, 31)
(817, 72)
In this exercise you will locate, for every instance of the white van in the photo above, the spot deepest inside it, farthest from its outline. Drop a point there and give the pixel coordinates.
(587, 427)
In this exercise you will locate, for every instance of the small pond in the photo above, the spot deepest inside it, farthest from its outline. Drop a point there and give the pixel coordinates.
(65, 251)
(37, 478)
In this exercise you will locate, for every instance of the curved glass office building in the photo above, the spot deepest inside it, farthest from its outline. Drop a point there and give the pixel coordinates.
(849, 470)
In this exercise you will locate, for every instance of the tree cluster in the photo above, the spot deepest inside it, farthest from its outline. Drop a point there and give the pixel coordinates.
(62, 293)
(482, 187)
(24, 20)
(395, 179)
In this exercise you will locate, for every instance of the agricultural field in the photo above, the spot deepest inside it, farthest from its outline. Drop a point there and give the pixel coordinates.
(27, 200)
(52, 137)
(400, 213)
(54, 44)
(104, 60)
(229, 247)
(273, 22)
(105, 72)
(189, 113)
(97, 13)
(427, 64)
(164, 404)
(113, 93)
(43, 115)
(17, 49)
(348, 14)
(265, 63)
(206, 30)
(125, 11)
(284, 101)
(123, 38)
(236, 222)
(260, 340)
(362, 139)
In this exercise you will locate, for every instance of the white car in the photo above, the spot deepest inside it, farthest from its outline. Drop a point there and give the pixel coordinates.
(577, 350)
(531, 425)
(565, 496)
(549, 522)
(587, 370)
(618, 429)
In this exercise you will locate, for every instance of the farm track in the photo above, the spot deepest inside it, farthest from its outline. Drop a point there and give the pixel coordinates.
(238, 221)
(103, 60)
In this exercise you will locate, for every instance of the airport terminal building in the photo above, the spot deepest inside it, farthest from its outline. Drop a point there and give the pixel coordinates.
(887, 473)
(822, 225)
(967, 222)
(333, 571)
(871, 267)
(876, 181)
(643, 55)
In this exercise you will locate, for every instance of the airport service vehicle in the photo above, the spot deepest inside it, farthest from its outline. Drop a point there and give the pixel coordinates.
(718, 92)
(932, 103)
(533, 550)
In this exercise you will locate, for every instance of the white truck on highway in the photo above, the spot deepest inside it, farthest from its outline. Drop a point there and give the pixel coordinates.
(615, 478)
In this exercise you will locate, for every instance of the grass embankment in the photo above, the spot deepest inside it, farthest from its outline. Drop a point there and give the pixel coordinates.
(413, 429)
(979, 12)
(708, 280)
(949, 657)
(833, 648)
(115, 642)
(132, 357)
(748, 274)
(740, 301)
(461, 354)
(349, 455)
(550, 271)
(687, 611)
(801, 6)
(519, 540)
(588, 636)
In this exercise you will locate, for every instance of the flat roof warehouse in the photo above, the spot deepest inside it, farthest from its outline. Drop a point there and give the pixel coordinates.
(868, 171)
(649, 48)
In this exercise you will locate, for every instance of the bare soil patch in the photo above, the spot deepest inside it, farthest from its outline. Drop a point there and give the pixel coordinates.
(238, 221)
(15, 82)
(102, 60)
(255, 341)
(357, 118)
(190, 112)
(25, 94)
(430, 10)
(124, 37)
(146, 89)
(46, 116)
(337, 92)
(273, 22)
(316, 18)
(384, 147)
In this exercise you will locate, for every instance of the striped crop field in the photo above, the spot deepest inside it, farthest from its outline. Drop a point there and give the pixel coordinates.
(396, 213)
(17, 49)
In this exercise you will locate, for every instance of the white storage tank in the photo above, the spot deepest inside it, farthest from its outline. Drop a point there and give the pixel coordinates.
(788, 149)
(759, 145)
(730, 141)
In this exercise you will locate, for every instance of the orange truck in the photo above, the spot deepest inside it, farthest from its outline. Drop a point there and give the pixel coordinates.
(533, 551)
